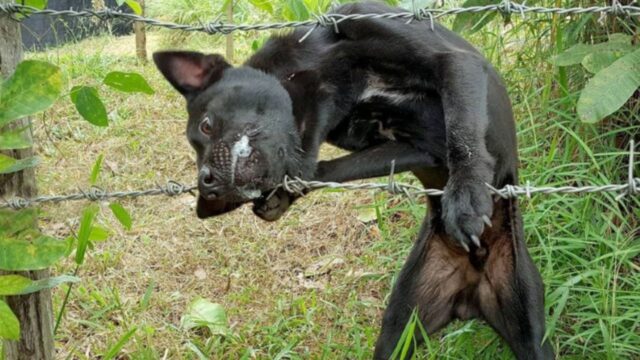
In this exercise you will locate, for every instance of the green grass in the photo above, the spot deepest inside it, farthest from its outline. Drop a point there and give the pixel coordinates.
(586, 246)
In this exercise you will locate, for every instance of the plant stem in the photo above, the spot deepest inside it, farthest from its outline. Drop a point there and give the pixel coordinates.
(64, 302)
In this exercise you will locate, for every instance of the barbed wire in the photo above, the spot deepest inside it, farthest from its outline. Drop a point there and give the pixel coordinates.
(299, 186)
(325, 20)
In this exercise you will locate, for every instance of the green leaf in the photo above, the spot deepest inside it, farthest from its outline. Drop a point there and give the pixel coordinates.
(610, 88)
(40, 4)
(294, 10)
(9, 324)
(121, 214)
(89, 105)
(33, 87)
(617, 43)
(115, 349)
(10, 165)
(32, 251)
(203, 313)
(471, 22)
(98, 234)
(14, 139)
(597, 61)
(128, 82)
(13, 222)
(135, 6)
(48, 283)
(13, 284)
(95, 170)
(86, 225)
(264, 5)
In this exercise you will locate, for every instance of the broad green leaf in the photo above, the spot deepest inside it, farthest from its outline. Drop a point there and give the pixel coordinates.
(264, 5)
(295, 10)
(115, 349)
(13, 284)
(135, 6)
(10, 165)
(617, 43)
(33, 87)
(48, 283)
(471, 22)
(14, 139)
(32, 251)
(86, 225)
(610, 88)
(9, 324)
(597, 61)
(95, 171)
(128, 82)
(119, 2)
(203, 313)
(14, 222)
(89, 105)
(121, 214)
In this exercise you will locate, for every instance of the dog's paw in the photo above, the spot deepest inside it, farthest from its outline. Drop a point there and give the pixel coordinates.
(466, 209)
(271, 208)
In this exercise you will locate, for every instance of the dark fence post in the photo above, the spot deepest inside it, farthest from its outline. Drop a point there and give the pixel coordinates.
(35, 310)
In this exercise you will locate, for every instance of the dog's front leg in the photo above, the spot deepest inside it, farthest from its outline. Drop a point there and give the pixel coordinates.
(466, 202)
(372, 162)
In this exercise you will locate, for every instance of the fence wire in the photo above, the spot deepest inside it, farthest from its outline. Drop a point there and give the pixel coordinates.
(299, 186)
(217, 26)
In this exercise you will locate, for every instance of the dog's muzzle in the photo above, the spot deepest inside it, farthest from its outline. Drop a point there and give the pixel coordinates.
(235, 170)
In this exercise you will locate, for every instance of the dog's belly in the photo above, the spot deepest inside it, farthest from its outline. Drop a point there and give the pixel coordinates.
(386, 114)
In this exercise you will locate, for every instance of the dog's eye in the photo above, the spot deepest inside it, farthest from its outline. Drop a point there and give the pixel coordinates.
(205, 126)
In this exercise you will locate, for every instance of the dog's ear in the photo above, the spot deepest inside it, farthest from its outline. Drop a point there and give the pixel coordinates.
(190, 72)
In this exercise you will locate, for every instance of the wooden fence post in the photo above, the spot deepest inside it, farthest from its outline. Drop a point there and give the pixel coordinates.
(141, 36)
(35, 310)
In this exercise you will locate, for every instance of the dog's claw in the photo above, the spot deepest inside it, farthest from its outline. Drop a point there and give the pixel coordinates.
(465, 247)
(475, 240)
(487, 221)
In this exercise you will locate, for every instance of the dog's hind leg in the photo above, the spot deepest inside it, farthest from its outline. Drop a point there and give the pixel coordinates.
(437, 281)
(432, 281)
(510, 293)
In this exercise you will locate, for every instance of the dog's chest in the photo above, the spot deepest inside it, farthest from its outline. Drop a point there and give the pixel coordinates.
(384, 110)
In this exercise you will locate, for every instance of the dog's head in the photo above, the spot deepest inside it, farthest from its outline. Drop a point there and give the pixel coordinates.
(241, 124)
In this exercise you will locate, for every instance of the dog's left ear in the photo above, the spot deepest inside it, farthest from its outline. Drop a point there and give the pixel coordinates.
(190, 72)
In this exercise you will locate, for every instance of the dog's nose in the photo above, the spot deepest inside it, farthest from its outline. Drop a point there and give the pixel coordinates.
(206, 183)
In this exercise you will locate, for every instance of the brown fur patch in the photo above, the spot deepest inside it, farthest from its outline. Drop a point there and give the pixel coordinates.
(450, 286)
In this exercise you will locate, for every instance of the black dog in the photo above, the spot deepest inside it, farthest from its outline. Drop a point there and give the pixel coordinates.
(389, 92)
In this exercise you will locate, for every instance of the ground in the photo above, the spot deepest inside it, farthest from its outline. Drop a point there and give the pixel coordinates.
(313, 284)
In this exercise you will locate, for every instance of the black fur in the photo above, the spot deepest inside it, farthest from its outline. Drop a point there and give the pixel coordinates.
(387, 91)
